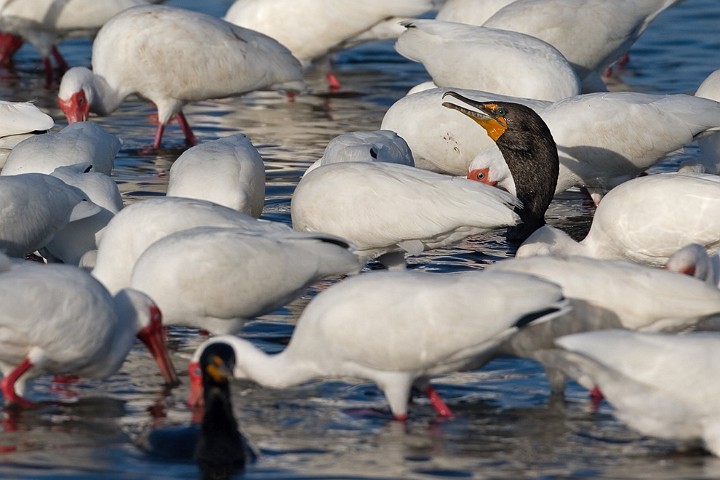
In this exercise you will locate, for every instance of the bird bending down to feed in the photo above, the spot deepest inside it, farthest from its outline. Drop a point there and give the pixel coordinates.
(645, 220)
(139, 225)
(529, 150)
(399, 329)
(35, 207)
(659, 384)
(228, 171)
(313, 30)
(57, 319)
(45, 23)
(591, 34)
(609, 294)
(136, 52)
(492, 60)
(200, 277)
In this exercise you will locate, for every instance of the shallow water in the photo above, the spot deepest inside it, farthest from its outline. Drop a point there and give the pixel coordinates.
(504, 426)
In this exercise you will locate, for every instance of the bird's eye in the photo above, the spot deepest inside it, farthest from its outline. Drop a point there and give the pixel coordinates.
(500, 112)
(480, 176)
(198, 372)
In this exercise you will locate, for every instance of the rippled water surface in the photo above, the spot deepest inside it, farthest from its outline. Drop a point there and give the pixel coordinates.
(504, 428)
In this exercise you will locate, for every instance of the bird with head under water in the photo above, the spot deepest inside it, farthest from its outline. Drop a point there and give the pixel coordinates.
(398, 330)
(529, 150)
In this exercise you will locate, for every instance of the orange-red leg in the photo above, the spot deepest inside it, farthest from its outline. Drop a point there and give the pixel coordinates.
(8, 384)
(437, 402)
(187, 131)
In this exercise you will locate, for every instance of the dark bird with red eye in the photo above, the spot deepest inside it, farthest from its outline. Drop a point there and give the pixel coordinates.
(529, 151)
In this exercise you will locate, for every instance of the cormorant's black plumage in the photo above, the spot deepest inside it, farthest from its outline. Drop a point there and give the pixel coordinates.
(532, 157)
(221, 449)
(530, 152)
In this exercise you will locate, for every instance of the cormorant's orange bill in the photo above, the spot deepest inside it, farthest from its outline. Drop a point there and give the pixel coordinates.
(217, 370)
(490, 116)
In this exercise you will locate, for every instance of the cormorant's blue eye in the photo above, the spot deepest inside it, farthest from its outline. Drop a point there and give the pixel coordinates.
(500, 112)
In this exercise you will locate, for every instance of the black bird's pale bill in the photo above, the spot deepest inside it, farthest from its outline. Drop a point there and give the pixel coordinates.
(489, 115)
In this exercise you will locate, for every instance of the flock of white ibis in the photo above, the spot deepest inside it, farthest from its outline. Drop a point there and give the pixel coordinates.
(516, 112)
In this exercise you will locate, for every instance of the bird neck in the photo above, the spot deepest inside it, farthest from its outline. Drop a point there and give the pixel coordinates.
(122, 333)
(103, 98)
(275, 371)
(218, 417)
(532, 159)
(548, 240)
(221, 446)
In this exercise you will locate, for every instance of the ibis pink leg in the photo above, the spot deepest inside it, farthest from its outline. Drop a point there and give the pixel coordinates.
(47, 65)
(333, 82)
(8, 384)
(187, 131)
(59, 59)
(596, 396)
(437, 402)
(158, 135)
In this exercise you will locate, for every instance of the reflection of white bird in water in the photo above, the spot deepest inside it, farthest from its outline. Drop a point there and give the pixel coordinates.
(57, 319)
(136, 52)
(398, 330)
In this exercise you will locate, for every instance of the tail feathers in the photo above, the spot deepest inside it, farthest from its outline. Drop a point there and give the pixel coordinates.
(562, 307)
